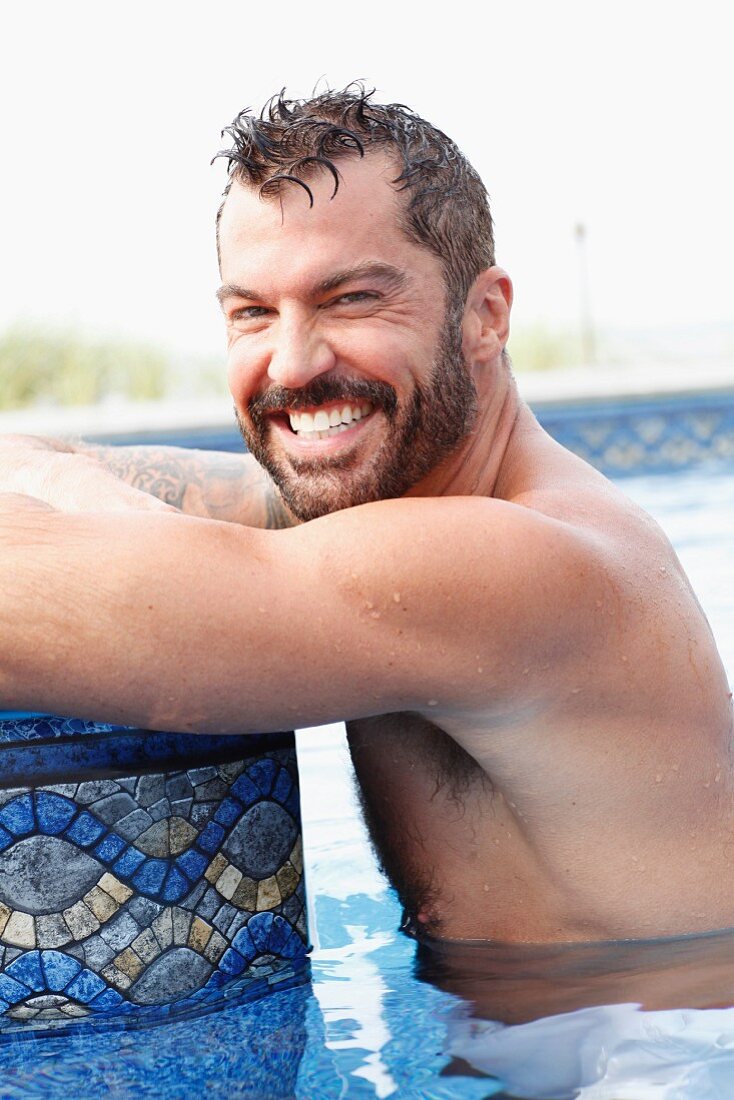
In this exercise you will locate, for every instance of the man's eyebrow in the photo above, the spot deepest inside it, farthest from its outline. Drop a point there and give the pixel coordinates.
(389, 276)
(393, 277)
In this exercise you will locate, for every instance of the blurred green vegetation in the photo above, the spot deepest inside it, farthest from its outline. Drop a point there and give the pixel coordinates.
(539, 347)
(66, 368)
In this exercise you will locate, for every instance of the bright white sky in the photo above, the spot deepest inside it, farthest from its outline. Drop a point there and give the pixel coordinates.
(615, 114)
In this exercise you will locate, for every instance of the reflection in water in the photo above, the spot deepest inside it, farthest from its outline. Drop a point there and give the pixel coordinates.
(602, 1021)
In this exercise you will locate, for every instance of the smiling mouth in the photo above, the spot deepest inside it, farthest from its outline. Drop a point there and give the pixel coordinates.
(326, 421)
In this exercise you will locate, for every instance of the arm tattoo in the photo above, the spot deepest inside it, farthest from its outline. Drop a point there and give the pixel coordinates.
(216, 485)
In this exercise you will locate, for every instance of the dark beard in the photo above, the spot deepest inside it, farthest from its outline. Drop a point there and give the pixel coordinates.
(439, 416)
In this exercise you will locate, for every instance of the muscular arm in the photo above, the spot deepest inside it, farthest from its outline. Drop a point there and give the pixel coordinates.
(87, 477)
(173, 622)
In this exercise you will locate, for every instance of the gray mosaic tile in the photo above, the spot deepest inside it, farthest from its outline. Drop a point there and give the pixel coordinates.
(143, 910)
(97, 953)
(238, 921)
(261, 840)
(120, 931)
(128, 784)
(68, 790)
(117, 806)
(195, 896)
(51, 930)
(223, 918)
(131, 826)
(201, 775)
(163, 928)
(202, 813)
(181, 924)
(230, 772)
(178, 786)
(12, 953)
(7, 795)
(150, 789)
(182, 807)
(215, 788)
(209, 904)
(160, 809)
(172, 976)
(95, 789)
(42, 874)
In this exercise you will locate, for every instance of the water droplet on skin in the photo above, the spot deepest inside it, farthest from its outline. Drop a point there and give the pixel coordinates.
(433, 702)
(396, 597)
(658, 778)
(374, 614)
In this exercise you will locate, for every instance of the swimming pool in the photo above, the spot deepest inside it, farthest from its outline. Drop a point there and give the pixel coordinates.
(367, 1024)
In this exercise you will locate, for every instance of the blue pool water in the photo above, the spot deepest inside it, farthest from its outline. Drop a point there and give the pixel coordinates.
(363, 1023)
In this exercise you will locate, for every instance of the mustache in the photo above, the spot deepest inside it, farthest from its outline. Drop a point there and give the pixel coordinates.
(319, 392)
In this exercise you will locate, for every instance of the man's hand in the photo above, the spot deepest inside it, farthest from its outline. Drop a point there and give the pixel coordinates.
(66, 480)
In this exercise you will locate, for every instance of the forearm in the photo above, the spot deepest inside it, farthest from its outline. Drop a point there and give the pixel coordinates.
(209, 484)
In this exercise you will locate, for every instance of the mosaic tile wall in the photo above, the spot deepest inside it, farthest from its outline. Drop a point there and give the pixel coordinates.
(125, 892)
(659, 434)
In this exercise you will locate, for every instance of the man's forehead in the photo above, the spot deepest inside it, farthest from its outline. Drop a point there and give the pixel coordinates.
(366, 193)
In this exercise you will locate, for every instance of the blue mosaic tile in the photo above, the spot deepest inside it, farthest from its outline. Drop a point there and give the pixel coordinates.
(192, 863)
(228, 812)
(246, 790)
(283, 786)
(278, 934)
(12, 991)
(262, 774)
(293, 947)
(210, 839)
(259, 927)
(85, 986)
(293, 805)
(106, 1000)
(53, 812)
(243, 943)
(85, 830)
(149, 878)
(6, 839)
(128, 862)
(27, 969)
(232, 962)
(175, 886)
(59, 969)
(109, 847)
(17, 816)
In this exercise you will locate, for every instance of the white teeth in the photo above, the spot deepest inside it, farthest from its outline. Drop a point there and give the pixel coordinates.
(322, 424)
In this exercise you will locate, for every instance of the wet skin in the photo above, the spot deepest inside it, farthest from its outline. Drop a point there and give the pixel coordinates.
(512, 603)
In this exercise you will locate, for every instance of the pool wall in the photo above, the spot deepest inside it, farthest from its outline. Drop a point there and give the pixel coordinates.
(143, 872)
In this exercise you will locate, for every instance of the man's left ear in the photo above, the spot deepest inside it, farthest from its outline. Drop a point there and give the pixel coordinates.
(486, 326)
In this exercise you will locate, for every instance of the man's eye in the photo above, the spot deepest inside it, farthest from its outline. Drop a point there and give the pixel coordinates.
(357, 296)
(248, 313)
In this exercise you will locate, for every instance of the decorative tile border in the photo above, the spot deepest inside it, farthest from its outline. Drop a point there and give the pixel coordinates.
(119, 894)
(660, 434)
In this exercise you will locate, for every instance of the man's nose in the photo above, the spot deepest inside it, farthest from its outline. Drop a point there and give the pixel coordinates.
(300, 354)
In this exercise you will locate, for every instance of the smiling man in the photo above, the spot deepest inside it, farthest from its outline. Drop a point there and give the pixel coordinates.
(538, 717)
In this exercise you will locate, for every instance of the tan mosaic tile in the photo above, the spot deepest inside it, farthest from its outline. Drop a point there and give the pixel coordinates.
(296, 856)
(268, 894)
(245, 896)
(228, 881)
(146, 946)
(116, 889)
(102, 905)
(129, 963)
(288, 879)
(182, 834)
(215, 868)
(20, 930)
(199, 934)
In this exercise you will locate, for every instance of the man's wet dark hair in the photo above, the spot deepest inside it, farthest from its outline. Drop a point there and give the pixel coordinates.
(446, 208)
